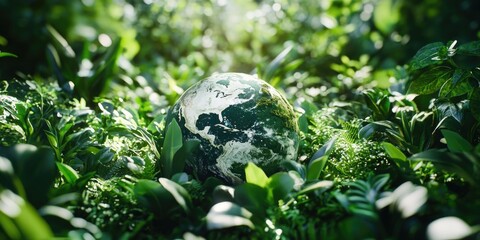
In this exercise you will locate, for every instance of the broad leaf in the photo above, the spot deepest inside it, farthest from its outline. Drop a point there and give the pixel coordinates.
(154, 197)
(315, 167)
(426, 56)
(60, 42)
(471, 48)
(463, 164)
(172, 143)
(321, 185)
(455, 142)
(19, 220)
(431, 80)
(393, 152)
(309, 108)
(228, 214)
(291, 165)
(448, 90)
(475, 103)
(36, 169)
(303, 123)
(274, 65)
(326, 149)
(255, 175)
(459, 76)
(378, 126)
(64, 216)
(223, 193)
(253, 198)
(68, 172)
(99, 82)
(279, 186)
(178, 192)
(105, 155)
(184, 154)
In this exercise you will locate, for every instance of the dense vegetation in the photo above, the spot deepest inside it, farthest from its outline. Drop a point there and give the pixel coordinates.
(386, 94)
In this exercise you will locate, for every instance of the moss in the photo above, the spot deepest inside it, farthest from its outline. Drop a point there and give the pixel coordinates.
(280, 107)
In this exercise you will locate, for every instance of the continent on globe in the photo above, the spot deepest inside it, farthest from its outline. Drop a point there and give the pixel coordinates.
(239, 119)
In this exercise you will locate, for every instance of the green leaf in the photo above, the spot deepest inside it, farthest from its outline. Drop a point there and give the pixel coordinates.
(36, 168)
(61, 42)
(315, 167)
(227, 214)
(309, 107)
(275, 64)
(431, 80)
(254, 198)
(463, 164)
(455, 142)
(154, 197)
(68, 172)
(184, 154)
(427, 56)
(460, 75)
(180, 177)
(393, 152)
(449, 90)
(379, 181)
(19, 220)
(321, 185)
(326, 149)
(99, 82)
(475, 104)
(386, 15)
(279, 186)
(319, 159)
(291, 165)
(255, 175)
(54, 61)
(303, 124)
(172, 143)
(52, 139)
(471, 48)
(179, 193)
(6, 54)
(223, 193)
(105, 155)
(64, 216)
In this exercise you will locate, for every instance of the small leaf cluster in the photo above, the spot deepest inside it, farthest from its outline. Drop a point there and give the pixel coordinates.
(351, 157)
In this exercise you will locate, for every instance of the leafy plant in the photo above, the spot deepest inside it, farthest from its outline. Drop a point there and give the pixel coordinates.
(19, 220)
(435, 70)
(462, 158)
(381, 214)
(84, 77)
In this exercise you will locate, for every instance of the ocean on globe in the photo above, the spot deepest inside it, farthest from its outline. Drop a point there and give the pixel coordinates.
(238, 118)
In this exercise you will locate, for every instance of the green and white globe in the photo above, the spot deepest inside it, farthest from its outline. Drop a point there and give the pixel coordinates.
(239, 119)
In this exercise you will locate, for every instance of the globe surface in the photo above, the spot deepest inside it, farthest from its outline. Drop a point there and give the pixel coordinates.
(238, 118)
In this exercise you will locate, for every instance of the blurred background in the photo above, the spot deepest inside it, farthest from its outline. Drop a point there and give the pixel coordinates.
(318, 47)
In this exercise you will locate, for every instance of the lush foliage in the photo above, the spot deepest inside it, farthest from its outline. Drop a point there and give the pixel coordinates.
(386, 94)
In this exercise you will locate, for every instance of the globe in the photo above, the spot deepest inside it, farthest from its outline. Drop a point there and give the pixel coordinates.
(237, 118)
